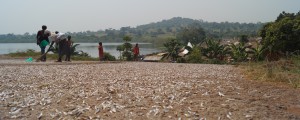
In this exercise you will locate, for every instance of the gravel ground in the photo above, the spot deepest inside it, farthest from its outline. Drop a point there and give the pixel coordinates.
(139, 90)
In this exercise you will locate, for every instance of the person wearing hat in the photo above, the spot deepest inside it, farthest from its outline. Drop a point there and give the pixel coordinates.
(42, 40)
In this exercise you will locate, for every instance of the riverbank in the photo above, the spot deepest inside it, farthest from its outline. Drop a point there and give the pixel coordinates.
(90, 48)
(140, 90)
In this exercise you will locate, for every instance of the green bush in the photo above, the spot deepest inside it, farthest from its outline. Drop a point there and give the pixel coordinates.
(172, 47)
(195, 55)
(109, 57)
(127, 55)
(127, 48)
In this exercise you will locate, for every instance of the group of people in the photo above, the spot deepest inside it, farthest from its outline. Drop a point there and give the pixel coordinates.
(64, 43)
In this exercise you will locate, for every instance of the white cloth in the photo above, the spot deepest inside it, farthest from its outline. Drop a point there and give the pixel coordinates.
(53, 37)
(61, 36)
(57, 37)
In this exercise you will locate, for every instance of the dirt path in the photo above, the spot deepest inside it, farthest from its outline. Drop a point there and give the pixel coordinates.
(140, 90)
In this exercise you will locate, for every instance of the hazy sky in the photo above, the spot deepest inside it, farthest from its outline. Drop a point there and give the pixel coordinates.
(20, 16)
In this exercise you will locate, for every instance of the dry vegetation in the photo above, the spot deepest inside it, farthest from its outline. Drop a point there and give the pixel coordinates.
(281, 72)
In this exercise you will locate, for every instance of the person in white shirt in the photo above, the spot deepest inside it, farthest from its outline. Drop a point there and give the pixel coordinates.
(61, 40)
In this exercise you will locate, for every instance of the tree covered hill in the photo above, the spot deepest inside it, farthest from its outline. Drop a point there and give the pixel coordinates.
(152, 32)
(220, 30)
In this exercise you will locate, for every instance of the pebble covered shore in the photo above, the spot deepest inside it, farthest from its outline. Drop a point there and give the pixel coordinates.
(139, 90)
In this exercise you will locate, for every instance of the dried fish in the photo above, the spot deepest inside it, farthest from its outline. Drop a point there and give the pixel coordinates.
(206, 93)
(40, 115)
(15, 111)
(126, 90)
(113, 107)
(221, 94)
(154, 111)
(228, 115)
(97, 109)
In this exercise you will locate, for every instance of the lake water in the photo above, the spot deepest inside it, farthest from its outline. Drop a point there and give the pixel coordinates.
(90, 48)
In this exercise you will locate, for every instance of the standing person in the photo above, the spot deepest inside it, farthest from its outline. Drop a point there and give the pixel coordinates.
(136, 52)
(69, 43)
(42, 40)
(101, 53)
(61, 39)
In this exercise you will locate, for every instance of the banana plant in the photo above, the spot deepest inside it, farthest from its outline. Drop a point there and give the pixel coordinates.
(73, 49)
(214, 49)
(238, 52)
(258, 51)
